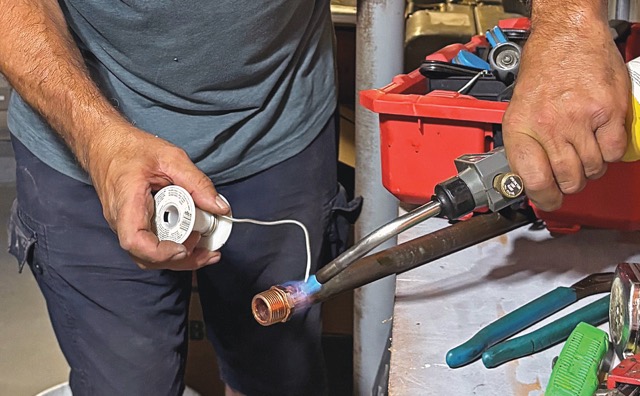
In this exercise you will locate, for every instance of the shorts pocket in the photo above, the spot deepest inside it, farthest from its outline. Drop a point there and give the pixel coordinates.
(344, 213)
(22, 238)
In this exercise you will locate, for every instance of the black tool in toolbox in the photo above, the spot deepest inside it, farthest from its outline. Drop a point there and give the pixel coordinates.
(487, 75)
(445, 76)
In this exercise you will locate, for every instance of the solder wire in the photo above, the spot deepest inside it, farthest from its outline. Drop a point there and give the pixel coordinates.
(280, 222)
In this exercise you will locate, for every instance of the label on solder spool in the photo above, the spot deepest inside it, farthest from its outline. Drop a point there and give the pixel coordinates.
(175, 213)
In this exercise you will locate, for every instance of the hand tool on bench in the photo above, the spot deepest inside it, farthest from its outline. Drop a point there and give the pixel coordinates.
(529, 314)
(582, 363)
(624, 311)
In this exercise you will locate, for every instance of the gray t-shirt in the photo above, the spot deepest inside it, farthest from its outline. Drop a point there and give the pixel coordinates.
(240, 85)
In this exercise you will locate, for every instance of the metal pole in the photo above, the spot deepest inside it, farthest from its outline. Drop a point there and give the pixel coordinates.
(622, 10)
(379, 57)
(625, 10)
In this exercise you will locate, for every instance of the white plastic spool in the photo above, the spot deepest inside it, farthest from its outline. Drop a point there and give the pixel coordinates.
(177, 217)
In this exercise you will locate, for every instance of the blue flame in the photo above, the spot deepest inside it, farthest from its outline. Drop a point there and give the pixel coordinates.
(311, 286)
(300, 292)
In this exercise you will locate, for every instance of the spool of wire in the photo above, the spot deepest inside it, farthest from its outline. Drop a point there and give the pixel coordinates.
(177, 217)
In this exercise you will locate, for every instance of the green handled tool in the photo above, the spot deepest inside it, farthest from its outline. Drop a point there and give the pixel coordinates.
(581, 362)
(526, 316)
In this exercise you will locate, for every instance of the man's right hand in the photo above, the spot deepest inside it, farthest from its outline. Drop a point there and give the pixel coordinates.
(125, 171)
(566, 119)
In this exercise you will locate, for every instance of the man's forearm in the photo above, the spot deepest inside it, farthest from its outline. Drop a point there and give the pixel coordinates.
(41, 61)
(568, 13)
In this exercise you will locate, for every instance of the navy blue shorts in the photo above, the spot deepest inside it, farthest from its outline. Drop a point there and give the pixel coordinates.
(123, 329)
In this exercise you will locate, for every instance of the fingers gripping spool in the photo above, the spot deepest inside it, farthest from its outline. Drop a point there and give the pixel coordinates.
(176, 217)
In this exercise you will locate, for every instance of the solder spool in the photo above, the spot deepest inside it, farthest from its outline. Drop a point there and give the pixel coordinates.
(176, 217)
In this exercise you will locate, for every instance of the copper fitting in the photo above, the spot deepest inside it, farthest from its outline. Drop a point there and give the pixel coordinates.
(272, 306)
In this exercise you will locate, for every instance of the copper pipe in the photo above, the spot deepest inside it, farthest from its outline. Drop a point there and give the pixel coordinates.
(271, 306)
(280, 302)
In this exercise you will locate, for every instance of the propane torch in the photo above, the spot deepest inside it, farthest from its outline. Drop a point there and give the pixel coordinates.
(483, 181)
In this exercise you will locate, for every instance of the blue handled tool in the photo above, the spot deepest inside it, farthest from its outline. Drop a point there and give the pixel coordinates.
(595, 314)
(496, 36)
(469, 59)
(526, 316)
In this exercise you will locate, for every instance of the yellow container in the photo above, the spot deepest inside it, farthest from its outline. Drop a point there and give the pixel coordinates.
(633, 113)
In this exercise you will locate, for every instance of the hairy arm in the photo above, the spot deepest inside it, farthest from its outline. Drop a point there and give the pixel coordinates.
(566, 118)
(41, 61)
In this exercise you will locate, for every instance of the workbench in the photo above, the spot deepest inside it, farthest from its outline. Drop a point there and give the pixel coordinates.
(442, 304)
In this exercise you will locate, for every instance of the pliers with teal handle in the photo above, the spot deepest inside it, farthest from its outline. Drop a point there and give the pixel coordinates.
(529, 314)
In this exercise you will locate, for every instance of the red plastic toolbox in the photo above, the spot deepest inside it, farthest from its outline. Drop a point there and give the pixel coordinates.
(423, 132)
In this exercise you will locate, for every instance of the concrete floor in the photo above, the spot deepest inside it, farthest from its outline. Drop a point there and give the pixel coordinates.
(30, 359)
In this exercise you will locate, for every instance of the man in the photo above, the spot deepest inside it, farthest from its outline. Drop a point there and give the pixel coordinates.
(117, 99)
(566, 120)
